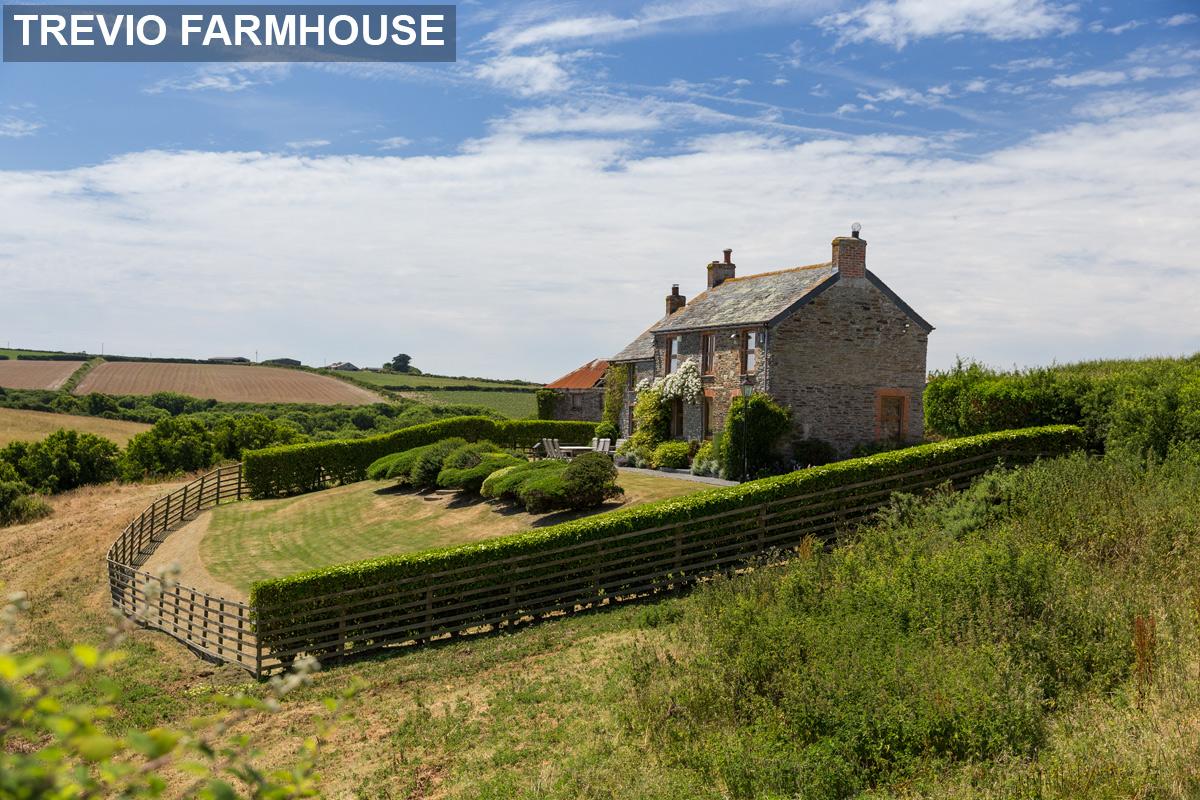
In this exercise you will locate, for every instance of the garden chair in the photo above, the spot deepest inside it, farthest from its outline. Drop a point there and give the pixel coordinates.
(555, 449)
(620, 442)
(600, 445)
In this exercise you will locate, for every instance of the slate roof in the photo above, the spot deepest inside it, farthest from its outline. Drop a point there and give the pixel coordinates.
(586, 377)
(640, 349)
(750, 300)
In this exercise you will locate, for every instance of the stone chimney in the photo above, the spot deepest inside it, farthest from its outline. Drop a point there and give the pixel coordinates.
(850, 255)
(675, 300)
(721, 271)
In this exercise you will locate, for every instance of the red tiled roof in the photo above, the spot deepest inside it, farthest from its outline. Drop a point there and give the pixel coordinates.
(585, 377)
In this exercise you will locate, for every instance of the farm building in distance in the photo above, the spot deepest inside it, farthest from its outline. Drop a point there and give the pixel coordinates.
(830, 340)
(581, 393)
(343, 366)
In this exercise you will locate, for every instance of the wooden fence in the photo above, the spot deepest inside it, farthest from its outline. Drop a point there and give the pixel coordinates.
(220, 628)
(481, 598)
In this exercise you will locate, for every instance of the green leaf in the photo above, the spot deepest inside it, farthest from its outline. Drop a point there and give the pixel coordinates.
(97, 748)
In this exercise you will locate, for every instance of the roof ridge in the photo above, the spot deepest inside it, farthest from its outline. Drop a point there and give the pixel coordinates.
(776, 272)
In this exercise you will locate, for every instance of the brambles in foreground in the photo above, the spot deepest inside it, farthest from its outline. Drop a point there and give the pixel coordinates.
(55, 745)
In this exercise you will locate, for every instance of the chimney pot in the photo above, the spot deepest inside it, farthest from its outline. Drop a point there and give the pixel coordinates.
(721, 271)
(675, 300)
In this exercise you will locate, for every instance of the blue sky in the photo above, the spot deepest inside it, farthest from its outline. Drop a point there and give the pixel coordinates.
(1027, 174)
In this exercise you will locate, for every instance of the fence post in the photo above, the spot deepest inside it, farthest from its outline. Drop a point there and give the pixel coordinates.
(679, 550)
(257, 651)
(762, 528)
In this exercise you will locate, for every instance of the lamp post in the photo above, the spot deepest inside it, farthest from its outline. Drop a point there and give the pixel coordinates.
(747, 390)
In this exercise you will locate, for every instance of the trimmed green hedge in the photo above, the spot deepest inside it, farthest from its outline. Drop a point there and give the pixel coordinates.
(493, 578)
(278, 471)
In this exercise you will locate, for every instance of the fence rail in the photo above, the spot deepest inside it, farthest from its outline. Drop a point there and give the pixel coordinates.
(504, 593)
(216, 626)
(481, 598)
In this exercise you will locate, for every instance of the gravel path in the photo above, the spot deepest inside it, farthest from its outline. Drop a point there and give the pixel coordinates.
(683, 476)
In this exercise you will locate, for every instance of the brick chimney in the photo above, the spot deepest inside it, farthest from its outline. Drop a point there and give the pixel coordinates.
(675, 300)
(850, 255)
(721, 271)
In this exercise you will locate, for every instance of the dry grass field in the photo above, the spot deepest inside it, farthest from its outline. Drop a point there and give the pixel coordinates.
(30, 426)
(233, 384)
(36, 374)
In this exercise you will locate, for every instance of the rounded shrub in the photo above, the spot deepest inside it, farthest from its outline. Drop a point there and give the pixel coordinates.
(670, 455)
(425, 471)
(606, 430)
(591, 479)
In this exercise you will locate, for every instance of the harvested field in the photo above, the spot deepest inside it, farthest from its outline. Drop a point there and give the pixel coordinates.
(36, 374)
(228, 383)
(31, 426)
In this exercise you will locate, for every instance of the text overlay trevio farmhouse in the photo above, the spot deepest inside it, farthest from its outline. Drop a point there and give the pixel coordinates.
(228, 33)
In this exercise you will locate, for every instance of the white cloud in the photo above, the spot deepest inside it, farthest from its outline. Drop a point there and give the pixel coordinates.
(1179, 19)
(780, 81)
(847, 108)
(222, 78)
(527, 75)
(976, 85)
(600, 118)
(897, 22)
(1133, 24)
(392, 143)
(528, 256)
(513, 37)
(15, 128)
(309, 144)
(1092, 77)
(1024, 64)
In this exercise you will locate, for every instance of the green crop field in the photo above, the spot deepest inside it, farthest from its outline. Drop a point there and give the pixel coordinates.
(15, 353)
(251, 541)
(514, 405)
(402, 381)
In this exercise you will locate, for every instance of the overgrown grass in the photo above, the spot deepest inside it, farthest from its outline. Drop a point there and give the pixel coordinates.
(948, 648)
(260, 539)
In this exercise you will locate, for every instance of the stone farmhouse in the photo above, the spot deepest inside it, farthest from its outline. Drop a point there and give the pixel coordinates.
(830, 340)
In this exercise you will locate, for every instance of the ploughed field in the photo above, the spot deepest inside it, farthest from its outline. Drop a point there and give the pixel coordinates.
(30, 426)
(227, 549)
(36, 374)
(227, 383)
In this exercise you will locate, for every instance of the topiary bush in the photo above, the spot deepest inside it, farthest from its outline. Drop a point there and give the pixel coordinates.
(670, 455)
(591, 478)
(508, 485)
(425, 471)
(471, 479)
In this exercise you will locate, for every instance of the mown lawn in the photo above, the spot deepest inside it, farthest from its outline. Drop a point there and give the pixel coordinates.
(252, 541)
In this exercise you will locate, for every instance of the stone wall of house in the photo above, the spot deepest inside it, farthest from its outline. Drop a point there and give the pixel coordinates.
(580, 405)
(836, 359)
(641, 370)
(722, 385)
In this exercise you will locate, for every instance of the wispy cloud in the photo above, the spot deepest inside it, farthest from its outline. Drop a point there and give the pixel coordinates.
(1024, 64)
(15, 128)
(1179, 19)
(222, 78)
(897, 22)
(527, 75)
(1092, 77)
(392, 143)
(309, 144)
(598, 118)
